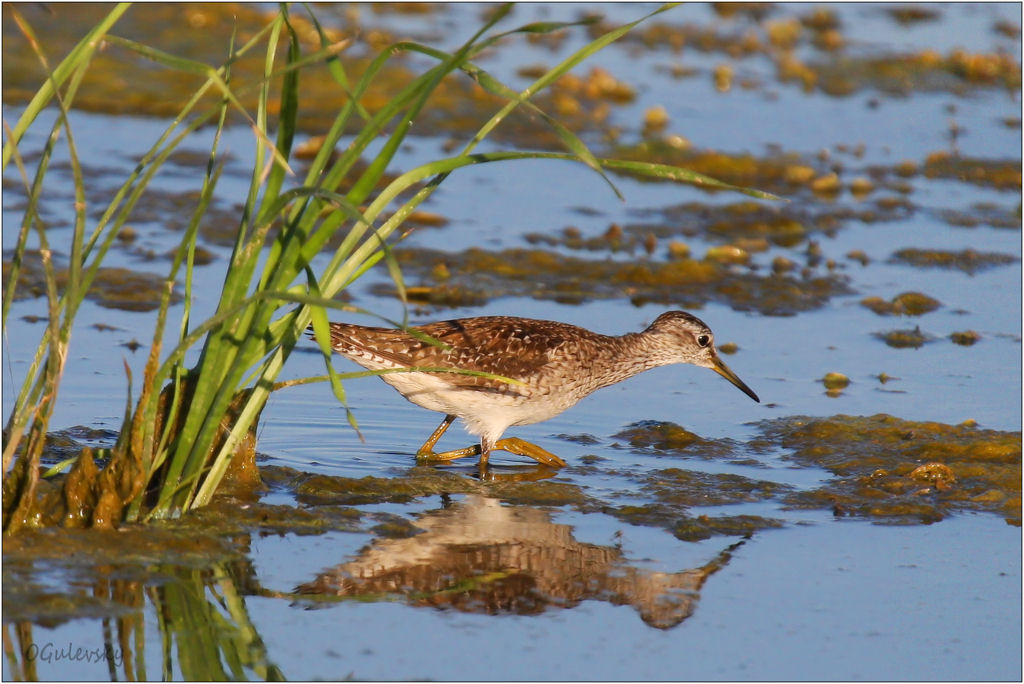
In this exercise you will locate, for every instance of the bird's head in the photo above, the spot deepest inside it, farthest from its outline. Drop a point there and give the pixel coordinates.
(683, 338)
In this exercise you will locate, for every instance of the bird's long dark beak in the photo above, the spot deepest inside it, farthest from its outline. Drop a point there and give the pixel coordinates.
(719, 367)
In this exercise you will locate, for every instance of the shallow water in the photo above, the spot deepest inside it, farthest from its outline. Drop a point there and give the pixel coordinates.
(821, 597)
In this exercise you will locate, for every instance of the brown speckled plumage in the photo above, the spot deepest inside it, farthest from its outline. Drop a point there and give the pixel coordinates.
(558, 364)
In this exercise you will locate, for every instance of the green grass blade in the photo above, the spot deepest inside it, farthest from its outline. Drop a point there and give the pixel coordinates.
(674, 173)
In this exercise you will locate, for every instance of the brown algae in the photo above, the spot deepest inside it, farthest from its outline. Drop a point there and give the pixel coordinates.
(997, 174)
(967, 260)
(905, 304)
(965, 338)
(894, 470)
(478, 275)
(905, 338)
(835, 381)
(113, 288)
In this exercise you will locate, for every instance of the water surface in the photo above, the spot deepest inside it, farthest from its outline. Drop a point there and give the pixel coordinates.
(810, 593)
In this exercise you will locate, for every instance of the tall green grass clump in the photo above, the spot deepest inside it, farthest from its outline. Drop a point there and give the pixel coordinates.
(189, 427)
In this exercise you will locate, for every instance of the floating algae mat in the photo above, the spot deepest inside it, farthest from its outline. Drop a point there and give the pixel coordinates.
(884, 469)
(114, 287)
(881, 468)
(475, 276)
(894, 470)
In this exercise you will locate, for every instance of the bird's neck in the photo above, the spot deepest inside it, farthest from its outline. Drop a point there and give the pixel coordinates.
(623, 357)
(647, 349)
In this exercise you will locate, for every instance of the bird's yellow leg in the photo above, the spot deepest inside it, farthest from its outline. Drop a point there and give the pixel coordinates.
(514, 445)
(427, 453)
(428, 446)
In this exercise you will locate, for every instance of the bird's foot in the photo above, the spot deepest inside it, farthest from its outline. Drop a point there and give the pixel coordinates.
(521, 447)
(426, 452)
(429, 455)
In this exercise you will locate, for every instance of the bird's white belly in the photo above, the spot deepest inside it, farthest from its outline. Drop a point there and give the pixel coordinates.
(484, 413)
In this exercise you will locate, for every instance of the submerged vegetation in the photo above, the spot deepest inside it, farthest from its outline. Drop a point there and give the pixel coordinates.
(187, 428)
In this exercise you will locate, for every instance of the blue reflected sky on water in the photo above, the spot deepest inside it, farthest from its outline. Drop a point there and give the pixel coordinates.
(885, 603)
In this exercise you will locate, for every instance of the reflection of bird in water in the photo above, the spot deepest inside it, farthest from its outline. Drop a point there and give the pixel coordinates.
(480, 556)
(555, 364)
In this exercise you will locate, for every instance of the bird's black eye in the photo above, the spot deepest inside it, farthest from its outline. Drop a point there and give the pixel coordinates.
(703, 340)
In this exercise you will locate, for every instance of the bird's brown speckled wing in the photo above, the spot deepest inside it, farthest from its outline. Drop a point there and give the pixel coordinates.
(514, 347)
